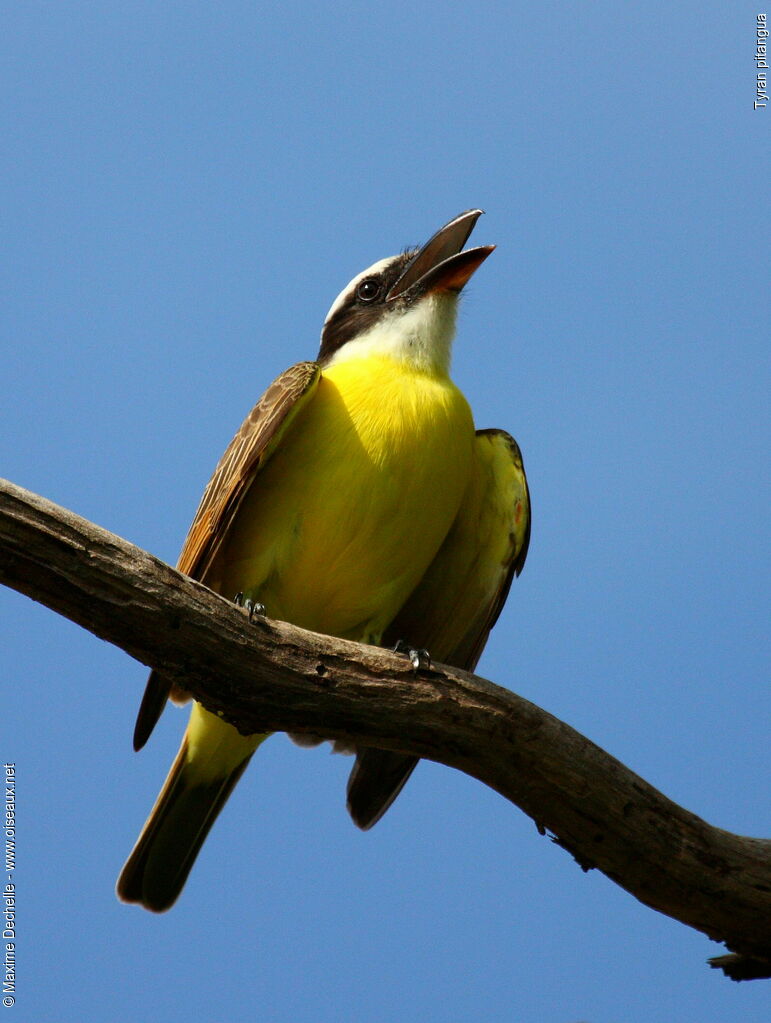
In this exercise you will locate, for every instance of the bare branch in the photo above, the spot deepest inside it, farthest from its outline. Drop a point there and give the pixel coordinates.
(271, 676)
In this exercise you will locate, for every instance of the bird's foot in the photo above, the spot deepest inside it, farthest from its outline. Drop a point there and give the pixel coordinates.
(419, 656)
(254, 607)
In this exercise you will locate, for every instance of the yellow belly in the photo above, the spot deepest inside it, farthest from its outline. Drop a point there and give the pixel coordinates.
(342, 522)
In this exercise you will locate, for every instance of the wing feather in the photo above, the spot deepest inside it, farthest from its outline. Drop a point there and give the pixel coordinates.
(460, 597)
(458, 601)
(249, 450)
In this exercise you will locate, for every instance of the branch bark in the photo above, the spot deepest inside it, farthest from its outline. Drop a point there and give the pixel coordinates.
(269, 675)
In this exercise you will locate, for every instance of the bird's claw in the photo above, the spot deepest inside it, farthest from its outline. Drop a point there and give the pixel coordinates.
(254, 607)
(419, 656)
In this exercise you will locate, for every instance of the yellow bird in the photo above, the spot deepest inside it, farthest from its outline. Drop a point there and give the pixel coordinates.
(356, 500)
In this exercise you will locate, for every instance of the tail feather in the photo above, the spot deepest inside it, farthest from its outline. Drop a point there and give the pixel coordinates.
(211, 759)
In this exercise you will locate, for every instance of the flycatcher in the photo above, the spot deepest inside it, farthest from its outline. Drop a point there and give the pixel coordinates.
(356, 500)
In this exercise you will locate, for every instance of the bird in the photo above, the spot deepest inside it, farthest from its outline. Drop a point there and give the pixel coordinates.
(358, 500)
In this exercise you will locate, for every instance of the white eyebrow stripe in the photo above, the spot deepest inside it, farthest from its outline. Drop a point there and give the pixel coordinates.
(349, 289)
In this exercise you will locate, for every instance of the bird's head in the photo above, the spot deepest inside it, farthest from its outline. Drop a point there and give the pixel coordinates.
(404, 307)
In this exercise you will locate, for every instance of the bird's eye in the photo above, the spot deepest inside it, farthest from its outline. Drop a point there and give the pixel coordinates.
(368, 290)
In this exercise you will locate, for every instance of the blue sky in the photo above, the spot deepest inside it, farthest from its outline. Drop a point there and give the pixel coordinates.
(187, 187)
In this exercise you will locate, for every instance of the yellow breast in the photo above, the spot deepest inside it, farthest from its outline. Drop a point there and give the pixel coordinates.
(342, 522)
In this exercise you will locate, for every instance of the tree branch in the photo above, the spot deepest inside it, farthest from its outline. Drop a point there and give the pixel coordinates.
(272, 676)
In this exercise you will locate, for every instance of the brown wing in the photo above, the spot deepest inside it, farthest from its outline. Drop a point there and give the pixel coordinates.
(251, 447)
(456, 604)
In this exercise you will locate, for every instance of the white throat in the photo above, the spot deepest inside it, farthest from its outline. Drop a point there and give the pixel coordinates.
(420, 336)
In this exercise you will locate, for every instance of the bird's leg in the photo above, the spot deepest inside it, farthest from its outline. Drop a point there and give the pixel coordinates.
(254, 607)
(419, 656)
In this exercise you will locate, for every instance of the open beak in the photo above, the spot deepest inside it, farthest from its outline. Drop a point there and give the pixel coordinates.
(441, 265)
